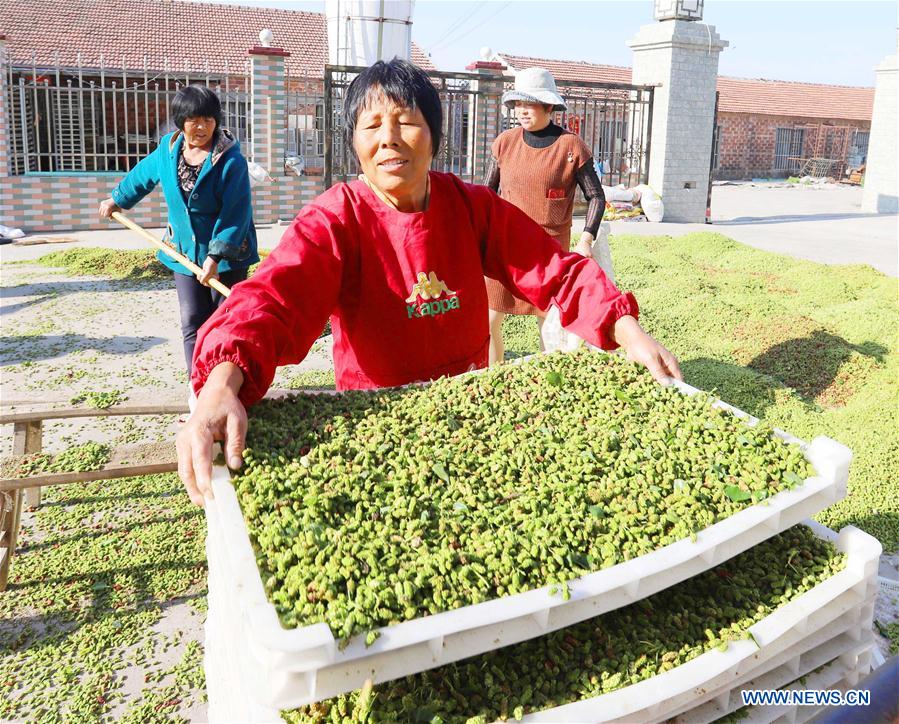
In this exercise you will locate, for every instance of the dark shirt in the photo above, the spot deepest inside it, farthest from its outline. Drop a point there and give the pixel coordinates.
(187, 179)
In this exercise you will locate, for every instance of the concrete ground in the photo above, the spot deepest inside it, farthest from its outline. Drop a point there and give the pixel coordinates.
(819, 223)
(823, 224)
(66, 336)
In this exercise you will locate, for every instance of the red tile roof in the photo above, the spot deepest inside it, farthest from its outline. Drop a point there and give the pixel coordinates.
(183, 33)
(737, 95)
(571, 69)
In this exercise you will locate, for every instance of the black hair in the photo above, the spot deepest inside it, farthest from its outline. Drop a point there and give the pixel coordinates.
(195, 101)
(404, 84)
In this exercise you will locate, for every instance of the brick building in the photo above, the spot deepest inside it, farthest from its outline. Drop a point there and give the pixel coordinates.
(85, 85)
(765, 128)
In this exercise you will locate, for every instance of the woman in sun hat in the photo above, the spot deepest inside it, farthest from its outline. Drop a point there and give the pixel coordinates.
(537, 167)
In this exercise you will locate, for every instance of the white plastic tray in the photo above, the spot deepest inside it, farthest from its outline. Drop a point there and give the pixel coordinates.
(850, 654)
(424, 643)
(842, 674)
(664, 695)
(841, 602)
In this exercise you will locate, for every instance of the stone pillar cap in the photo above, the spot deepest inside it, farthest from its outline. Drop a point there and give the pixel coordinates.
(266, 50)
(486, 65)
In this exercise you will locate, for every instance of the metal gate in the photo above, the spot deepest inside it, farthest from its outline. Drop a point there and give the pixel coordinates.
(614, 120)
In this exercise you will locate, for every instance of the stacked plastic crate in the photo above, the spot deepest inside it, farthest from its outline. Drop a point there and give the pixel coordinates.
(821, 639)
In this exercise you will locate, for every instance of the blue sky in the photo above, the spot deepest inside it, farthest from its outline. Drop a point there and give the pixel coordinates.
(817, 41)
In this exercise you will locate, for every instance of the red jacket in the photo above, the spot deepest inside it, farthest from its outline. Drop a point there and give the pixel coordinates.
(404, 291)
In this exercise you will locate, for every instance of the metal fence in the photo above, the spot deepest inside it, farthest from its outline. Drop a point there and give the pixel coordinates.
(463, 106)
(77, 118)
(614, 120)
(305, 124)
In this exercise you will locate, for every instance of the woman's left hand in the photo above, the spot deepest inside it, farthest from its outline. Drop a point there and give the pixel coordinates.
(641, 347)
(584, 246)
(210, 271)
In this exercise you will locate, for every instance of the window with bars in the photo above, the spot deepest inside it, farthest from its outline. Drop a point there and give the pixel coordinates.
(716, 145)
(858, 149)
(788, 148)
(77, 119)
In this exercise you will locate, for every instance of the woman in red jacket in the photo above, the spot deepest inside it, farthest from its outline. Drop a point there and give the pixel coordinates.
(397, 260)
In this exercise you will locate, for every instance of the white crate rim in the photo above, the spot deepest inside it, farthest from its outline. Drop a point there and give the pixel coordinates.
(835, 674)
(862, 554)
(782, 676)
(832, 464)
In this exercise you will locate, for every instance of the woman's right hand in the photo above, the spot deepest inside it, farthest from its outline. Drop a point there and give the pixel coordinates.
(108, 208)
(219, 416)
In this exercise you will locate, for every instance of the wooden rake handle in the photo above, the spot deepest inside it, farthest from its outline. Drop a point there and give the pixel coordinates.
(180, 258)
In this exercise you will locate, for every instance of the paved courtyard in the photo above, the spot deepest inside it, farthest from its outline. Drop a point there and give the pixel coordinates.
(823, 224)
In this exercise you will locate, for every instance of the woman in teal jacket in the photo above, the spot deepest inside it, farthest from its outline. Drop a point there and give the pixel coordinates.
(207, 189)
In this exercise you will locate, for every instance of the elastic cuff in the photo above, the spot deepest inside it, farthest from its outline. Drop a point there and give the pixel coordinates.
(625, 305)
(217, 258)
(248, 393)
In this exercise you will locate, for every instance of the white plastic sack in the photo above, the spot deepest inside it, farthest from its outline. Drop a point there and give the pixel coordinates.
(619, 193)
(601, 251)
(555, 336)
(258, 174)
(651, 202)
(295, 164)
(7, 232)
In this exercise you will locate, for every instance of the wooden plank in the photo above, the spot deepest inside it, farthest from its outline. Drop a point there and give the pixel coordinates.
(4, 568)
(168, 408)
(33, 437)
(125, 471)
(9, 538)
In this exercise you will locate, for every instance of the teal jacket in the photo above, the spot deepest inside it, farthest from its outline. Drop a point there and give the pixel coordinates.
(216, 218)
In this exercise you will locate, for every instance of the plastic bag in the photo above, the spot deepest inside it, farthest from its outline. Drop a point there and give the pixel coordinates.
(552, 333)
(7, 232)
(601, 251)
(258, 174)
(555, 336)
(651, 202)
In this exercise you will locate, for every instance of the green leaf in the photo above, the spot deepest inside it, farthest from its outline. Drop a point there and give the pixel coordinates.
(440, 472)
(738, 495)
(597, 511)
(624, 397)
(792, 478)
(554, 378)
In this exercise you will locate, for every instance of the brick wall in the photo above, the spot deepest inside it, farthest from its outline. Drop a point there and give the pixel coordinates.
(57, 202)
(68, 202)
(747, 142)
(4, 139)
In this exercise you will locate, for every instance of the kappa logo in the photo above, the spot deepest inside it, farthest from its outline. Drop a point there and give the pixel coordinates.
(429, 297)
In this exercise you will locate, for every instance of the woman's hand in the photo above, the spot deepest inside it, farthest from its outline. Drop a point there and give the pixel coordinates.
(108, 208)
(210, 271)
(585, 245)
(642, 348)
(219, 416)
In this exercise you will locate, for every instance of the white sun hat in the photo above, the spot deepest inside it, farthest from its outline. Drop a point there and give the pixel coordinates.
(535, 85)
